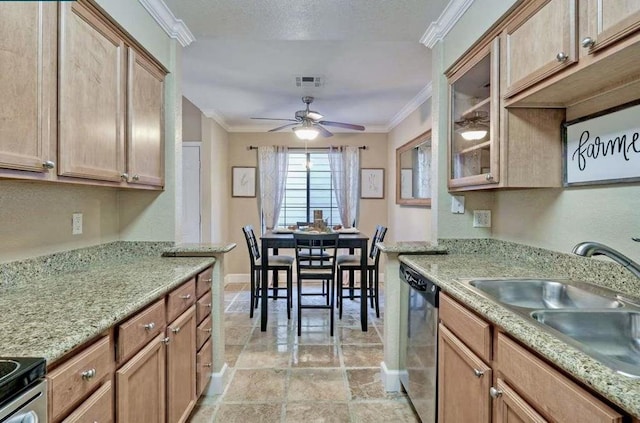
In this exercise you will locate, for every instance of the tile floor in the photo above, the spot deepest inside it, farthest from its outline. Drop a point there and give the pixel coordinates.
(276, 376)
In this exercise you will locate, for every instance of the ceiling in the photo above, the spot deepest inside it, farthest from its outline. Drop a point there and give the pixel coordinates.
(373, 69)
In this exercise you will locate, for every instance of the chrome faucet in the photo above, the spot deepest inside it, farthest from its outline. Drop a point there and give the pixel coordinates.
(590, 248)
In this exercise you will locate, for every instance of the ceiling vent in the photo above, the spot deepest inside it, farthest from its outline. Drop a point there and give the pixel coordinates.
(309, 81)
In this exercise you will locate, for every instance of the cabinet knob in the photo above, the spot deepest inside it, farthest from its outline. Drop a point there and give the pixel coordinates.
(208, 305)
(88, 374)
(150, 326)
(185, 297)
(208, 330)
(588, 42)
(176, 329)
(494, 392)
(489, 177)
(207, 280)
(136, 177)
(124, 176)
(478, 373)
(561, 57)
(208, 365)
(166, 340)
(48, 164)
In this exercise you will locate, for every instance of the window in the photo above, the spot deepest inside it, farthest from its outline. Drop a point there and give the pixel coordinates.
(308, 189)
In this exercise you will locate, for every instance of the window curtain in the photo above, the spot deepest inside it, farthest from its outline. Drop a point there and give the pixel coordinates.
(423, 171)
(345, 174)
(272, 176)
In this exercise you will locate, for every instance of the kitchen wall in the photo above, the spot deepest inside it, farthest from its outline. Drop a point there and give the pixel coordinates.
(244, 211)
(406, 223)
(555, 219)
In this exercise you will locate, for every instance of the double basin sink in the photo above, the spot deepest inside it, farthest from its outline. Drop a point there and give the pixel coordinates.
(595, 320)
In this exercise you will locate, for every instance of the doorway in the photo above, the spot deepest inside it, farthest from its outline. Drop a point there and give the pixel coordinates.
(192, 222)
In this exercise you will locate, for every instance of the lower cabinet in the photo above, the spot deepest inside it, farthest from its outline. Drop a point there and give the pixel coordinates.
(181, 366)
(506, 384)
(97, 408)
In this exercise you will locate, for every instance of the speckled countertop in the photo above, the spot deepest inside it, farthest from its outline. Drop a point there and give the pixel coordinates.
(198, 250)
(58, 309)
(411, 247)
(488, 258)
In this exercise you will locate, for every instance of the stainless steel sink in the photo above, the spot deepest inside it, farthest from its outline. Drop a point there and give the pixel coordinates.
(534, 294)
(610, 336)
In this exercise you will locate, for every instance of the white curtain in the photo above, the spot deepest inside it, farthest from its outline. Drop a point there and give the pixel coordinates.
(345, 173)
(423, 173)
(272, 171)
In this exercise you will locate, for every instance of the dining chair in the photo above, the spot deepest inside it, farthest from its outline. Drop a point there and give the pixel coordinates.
(316, 261)
(351, 263)
(275, 263)
(306, 225)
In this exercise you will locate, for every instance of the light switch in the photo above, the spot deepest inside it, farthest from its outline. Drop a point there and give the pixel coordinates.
(457, 204)
(482, 218)
(76, 224)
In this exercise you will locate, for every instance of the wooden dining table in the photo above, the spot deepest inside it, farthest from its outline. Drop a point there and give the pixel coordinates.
(352, 241)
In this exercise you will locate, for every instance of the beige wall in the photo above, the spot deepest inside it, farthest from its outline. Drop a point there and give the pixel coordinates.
(215, 182)
(244, 211)
(407, 223)
(191, 121)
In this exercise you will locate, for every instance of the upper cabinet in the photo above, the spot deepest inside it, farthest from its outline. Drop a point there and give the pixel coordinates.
(28, 86)
(605, 22)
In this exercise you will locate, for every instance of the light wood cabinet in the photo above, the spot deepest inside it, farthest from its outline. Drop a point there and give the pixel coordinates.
(181, 366)
(138, 330)
(511, 408)
(145, 120)
(97, 408)
(603, 23)
(539, 41)
(92, 82)
(204, 363)
(28, 85)
(141, 387)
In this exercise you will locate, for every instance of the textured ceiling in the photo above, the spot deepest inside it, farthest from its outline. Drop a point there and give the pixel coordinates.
(247, 54)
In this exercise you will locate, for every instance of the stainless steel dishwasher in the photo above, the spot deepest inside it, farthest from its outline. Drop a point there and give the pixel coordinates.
(419, 378)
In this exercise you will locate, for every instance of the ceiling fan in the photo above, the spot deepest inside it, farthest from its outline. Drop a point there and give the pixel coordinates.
(308, 123)
(473, 127)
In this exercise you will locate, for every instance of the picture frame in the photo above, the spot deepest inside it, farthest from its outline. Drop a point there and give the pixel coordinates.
(602, 148)
(243, 181)
(372, 183)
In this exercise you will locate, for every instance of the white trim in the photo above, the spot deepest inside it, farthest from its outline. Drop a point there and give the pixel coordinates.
(390, 378)
(174, 27)
(412, 106)
(450, 15)
(237, 278)
(254, 128)
(216, 385)
(212, 114)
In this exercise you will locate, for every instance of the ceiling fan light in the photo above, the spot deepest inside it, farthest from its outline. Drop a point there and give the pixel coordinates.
(474, 132)
(306, 132)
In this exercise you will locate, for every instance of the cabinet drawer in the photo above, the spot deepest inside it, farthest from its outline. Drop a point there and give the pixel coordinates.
(97, 408)
(472, 330)
(204, 363)
(79, 376)
(140, 329)
(203, 307)
(546, 389)
(203, 332)
(203, 282)
(181, 299)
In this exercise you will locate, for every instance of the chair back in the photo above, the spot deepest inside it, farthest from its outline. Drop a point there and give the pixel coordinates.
(252, 244)
(374, 253)
(316, 255)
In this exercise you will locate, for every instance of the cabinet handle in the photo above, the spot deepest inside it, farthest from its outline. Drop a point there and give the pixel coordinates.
(478, 373)
(489, 177)
(495, 393)
(207, 280)
(208, 305)
(561, 57)
(88, 374)
(135, 177)
(166, 340)
(150, 326)
(207, 330)
(176, 330)
(588, 42)
(124, 176)
(208, 365)
(48, 164)
(185, 297)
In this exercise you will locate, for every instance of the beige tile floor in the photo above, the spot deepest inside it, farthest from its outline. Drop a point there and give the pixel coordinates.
(276, 376)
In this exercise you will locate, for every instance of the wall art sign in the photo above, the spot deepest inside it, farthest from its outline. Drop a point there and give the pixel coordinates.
(372, 183)
(603, 148)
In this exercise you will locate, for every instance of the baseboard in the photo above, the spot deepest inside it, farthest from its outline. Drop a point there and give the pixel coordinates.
(390, 378)
(216, 385)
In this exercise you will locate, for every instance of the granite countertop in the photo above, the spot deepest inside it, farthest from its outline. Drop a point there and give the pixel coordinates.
(448, 270)
(411, 247)
(48, 315)
(198, 250)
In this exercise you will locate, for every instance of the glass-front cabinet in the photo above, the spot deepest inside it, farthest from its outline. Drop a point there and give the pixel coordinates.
(474, 105)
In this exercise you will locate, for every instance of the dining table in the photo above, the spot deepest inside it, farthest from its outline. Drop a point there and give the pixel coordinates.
(271, 240)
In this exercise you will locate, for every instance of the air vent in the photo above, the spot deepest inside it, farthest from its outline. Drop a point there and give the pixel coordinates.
(309, 81)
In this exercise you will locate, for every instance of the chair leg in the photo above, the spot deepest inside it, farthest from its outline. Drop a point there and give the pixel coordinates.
(331, 289)
(275, 285)
(253, 294)
(351, 284)
(289, 289)
(299, 309)
(376, 288)
(338, 291)
(371, 288)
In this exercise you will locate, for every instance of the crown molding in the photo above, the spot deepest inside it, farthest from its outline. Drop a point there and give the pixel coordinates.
(252, 128)
(411, 106)
(174, 27)
(212, 114)
(448, 18)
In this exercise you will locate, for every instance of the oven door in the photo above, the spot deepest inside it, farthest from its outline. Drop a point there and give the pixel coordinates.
(28, 407)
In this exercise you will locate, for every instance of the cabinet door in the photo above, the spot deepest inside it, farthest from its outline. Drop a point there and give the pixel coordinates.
(97, 408)
(145, 111)
(27, 83)
(539, 42)
(606, 22)
(181, 366)
(91, 95)
(463, 382)
(510, 408)
(140, 385)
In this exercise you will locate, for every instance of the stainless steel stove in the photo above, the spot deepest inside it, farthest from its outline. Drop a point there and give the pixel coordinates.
(23, 390)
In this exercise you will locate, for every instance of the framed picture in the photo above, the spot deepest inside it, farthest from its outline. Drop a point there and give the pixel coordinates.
(371, 183)
(603, 148)
(243, 181)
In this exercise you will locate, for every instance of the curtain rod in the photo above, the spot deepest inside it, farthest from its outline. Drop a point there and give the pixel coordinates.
(252, 147)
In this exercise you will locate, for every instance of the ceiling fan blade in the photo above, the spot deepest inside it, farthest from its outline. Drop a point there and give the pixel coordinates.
(342, 125)
(287, 120)
(282, 127)
(324, 132)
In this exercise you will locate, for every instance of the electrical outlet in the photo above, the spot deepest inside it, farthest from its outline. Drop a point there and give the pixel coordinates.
(482, 218)
(76, 224)
(457, 204)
